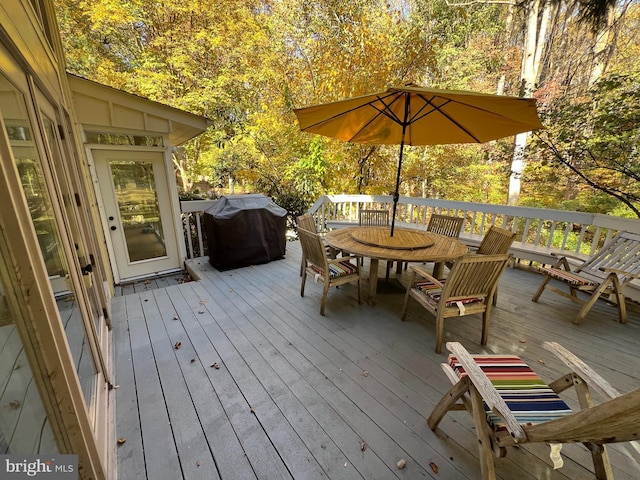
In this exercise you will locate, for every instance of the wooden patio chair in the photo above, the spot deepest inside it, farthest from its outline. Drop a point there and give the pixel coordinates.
(374, 218)
(330, 271)
(468, 289)
(510, 405)
(309, 223)
(606, 273)
(446, 225)
(497, 240)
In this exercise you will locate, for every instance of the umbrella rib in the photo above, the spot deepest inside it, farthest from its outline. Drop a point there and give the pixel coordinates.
(386, 112)
(437, 108)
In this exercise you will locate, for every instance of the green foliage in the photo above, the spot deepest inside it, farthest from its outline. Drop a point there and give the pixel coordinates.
(594, 139)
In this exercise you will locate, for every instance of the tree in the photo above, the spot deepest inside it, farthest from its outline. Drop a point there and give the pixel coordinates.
(597, 136)
(247, 64)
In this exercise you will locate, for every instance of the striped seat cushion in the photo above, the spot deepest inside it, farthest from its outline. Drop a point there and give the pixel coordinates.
(527, 396)
(337, 269)
(433, 292)
(565, 276)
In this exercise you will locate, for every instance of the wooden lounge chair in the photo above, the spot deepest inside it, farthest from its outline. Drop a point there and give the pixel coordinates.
(523, 409)
(468, 289)
(606, 273)
(330, 271)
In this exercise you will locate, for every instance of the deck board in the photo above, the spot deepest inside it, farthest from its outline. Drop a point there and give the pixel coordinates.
(158, 443)
(321, 386)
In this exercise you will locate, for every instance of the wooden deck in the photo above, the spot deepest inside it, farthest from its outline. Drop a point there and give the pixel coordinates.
(236, 377)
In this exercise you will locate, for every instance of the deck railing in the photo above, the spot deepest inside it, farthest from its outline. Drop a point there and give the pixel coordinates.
(538, 231)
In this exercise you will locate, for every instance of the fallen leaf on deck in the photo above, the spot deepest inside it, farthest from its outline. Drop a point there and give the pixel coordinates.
(401, 463)
(198, 463)
(14, 404)
(121, 440)
(231, 289)
(201, 312)
(147, 282)
(365, 373)
(215, 365)
(174, 318)
(523, 340)
(193, 360)
(178, 345)
(252, 410)
(434, 467)
(363, 446)
(345, 464)
(542, 362)
(146, 299)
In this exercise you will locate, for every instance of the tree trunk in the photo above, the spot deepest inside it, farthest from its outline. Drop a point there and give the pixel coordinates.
(538, 14)
(603, 46)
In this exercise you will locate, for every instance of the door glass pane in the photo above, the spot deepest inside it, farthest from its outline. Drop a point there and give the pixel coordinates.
(135, 189)
(14, 112)
(24, 427)
(69, 205)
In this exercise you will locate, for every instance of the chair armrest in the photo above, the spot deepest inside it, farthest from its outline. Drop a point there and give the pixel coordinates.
(619, 272)
(567, 255)
(420, 270)
(342, 258)
(593, 379)
(487, 391)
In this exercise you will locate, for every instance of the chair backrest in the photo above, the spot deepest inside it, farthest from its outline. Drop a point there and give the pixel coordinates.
(445, 225)
(621, 253)
(375, 218)
(312, 248)
(496, 240)
(474, 275)
(307, 222)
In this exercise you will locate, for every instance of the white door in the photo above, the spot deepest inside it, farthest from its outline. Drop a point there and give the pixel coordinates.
(135, 196)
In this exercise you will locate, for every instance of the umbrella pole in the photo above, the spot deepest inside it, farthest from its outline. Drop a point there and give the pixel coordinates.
(396, 194)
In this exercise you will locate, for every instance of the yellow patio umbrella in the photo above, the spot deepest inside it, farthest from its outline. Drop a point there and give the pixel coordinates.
(412, 115)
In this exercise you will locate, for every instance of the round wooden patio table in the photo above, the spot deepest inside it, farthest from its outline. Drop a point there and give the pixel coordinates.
(406, 245)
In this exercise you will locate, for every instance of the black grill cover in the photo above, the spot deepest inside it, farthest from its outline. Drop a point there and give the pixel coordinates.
(245, 230)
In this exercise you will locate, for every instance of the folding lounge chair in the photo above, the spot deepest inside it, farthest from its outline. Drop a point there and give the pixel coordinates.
(606, 273)
(510, 405)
